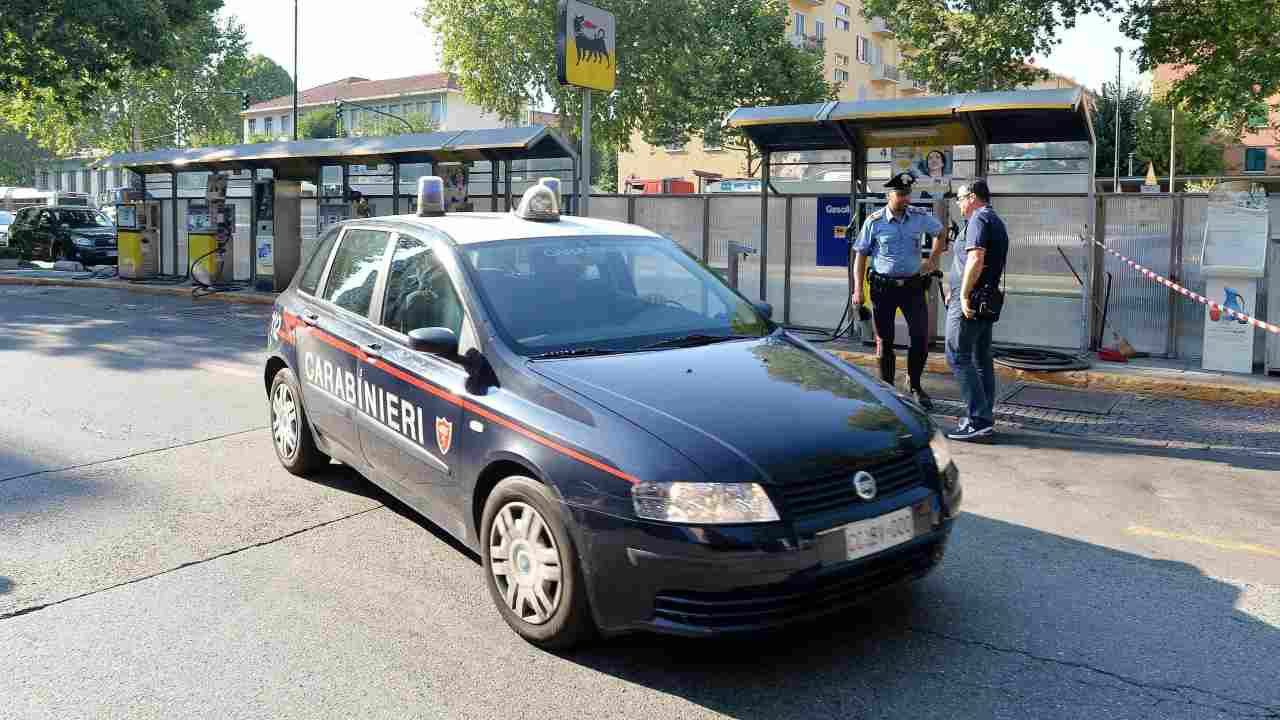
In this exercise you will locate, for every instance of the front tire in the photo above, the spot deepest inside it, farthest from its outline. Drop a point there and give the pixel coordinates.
(531, 566)
(290, 433)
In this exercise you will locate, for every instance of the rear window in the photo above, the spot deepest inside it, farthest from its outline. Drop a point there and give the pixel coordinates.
(355, 270)
(315, 265)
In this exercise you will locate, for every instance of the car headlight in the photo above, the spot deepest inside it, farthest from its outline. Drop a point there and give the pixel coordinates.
(941, 448)
(703, 503)
(82, 241)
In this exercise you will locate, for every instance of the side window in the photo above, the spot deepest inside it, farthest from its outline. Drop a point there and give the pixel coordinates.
(311, 276)
(355, 270)
(419, 293)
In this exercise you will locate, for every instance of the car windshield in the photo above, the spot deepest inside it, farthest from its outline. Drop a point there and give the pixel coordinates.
(558, 295)
(83, 218)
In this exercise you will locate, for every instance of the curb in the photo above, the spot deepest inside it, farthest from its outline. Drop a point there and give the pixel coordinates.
(176, 291)
(1218, 390)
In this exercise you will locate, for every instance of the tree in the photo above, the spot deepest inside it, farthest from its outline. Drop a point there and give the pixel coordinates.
(194, 100)
(1197, 145)
(18, 157)
(322, 123)
(374, 125)
(264, 79)
(681, 64)
(67, 50)
(1227, 46)
(1132, 104)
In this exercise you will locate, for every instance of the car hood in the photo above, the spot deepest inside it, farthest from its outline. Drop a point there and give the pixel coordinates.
(768, 409)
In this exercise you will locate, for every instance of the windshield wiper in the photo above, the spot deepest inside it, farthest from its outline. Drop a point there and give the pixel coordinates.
(693, 340)
(576, 352)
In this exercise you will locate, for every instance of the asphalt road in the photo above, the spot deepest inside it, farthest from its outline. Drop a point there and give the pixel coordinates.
(156, 562)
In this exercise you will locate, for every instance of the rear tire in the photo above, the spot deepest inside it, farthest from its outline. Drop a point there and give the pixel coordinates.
(538, 586)
(290, 433)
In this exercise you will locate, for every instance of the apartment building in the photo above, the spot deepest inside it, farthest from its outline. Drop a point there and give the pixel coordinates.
(1256, 152)
(436, 96)
(862, 55)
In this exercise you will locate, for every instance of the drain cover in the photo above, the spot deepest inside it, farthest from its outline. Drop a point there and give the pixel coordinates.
(1052, 398)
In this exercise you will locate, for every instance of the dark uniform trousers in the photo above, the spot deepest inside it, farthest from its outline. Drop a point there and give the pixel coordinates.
(888, 295)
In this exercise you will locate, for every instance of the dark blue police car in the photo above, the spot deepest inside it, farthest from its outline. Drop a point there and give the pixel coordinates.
(627, 442)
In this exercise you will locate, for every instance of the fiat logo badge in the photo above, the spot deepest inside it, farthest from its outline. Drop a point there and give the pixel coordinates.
(865, 485)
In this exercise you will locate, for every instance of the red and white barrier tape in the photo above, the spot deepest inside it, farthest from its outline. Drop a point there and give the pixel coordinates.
(1194, 296)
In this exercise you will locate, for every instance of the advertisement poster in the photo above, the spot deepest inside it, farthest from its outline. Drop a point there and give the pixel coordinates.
(833, 218)
(198, 217)
(1228, 342)
(930, 165)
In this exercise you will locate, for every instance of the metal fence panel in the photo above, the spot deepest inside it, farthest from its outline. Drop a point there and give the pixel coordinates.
(818, 294)
(679, 218)
(1139, 228)
(1044, 305)
(736, 219)
(1189, 344)
(610, 207)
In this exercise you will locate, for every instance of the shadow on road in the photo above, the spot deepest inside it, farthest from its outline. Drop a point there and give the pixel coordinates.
(1040, 440)
(1013, 615)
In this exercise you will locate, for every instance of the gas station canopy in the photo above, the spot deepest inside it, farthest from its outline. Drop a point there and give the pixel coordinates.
(303, 159)
(971, 119)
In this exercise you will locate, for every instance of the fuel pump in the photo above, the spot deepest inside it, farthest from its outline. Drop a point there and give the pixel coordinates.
(138, 234)
(264, 197)
(210, 244)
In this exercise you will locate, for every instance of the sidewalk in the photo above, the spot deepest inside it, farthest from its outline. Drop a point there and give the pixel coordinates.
(1151, 378)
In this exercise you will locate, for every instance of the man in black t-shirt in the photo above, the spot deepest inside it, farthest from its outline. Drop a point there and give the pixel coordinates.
(979, 262)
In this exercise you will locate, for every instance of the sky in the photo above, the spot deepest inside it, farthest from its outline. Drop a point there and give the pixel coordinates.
(380, 39)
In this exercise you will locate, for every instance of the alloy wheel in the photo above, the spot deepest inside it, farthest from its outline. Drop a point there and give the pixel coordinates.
(284, 420)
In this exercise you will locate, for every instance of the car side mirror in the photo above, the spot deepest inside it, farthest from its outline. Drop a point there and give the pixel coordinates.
(434, 340)
(764, 309)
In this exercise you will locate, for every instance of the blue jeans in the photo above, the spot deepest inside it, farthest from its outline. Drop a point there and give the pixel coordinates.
(969, 354)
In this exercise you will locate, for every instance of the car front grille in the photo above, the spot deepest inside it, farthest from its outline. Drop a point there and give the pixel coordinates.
(810, 497)
(777, 604)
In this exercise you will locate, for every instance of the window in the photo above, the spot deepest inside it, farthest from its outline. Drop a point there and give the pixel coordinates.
(102, 181)
(311, 276)
(253, 127)
(799, 23)
(71, 181)
(1255, 160)
(437, 111)
(863, 50)
(818, 29)
(842, 59)
(419, 292)
(842, 25)
(355, 270)
(842, 10)
(44, 180)
(86, 178)
(284, 124)
(841, 75)
(119, 178)
(266, 126)
(673, 146)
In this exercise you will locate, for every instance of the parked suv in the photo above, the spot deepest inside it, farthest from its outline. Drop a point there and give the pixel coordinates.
(65, 233)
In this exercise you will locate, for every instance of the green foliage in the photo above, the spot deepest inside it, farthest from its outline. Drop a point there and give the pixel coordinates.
(604, 166)
(375, 125)
(1228, 46)
(67, 51)
(10, 252)
(322, 123)
(1198, 147)
(264, 79)
(18, 157)
(1132, 104)
(681, 64)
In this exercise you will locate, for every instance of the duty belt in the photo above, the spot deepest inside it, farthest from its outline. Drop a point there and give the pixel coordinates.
(885, 281)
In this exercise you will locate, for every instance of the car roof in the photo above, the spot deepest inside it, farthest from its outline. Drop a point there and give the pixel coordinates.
(466, 228)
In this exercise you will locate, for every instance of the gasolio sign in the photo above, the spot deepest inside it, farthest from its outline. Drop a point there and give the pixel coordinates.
(586, 46)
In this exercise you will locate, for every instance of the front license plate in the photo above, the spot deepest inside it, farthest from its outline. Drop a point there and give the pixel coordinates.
(867, 537)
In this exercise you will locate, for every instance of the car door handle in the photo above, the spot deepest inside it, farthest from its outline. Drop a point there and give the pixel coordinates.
(310, 318)
(372, 351)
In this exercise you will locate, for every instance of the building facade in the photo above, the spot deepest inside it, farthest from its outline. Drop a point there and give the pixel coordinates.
(436, 96)
(862, 56)
(1256, 152)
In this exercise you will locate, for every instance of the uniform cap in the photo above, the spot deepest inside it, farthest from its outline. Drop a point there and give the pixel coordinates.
(901, 182)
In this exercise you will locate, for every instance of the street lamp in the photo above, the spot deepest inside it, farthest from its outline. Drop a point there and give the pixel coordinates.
(1115, 182)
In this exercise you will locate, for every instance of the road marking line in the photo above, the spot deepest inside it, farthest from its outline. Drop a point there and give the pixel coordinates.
(1141, 531)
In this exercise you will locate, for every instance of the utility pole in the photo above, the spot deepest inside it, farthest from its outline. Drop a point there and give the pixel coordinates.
(584, 190)
(1173, 127)
(1115, 183)
(295, 70)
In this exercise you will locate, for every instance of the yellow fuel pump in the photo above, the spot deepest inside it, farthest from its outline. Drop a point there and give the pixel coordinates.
(209, 233)
(138, 234)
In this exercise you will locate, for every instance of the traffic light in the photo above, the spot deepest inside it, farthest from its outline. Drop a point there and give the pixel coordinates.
(244, 101)
(340, 125)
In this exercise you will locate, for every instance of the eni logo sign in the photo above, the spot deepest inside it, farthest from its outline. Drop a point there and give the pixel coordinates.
(586, 47)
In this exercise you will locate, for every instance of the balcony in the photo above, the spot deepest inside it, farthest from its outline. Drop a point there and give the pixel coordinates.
(908, 84)
(809, 42)
(880, 27)
(884, 73)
